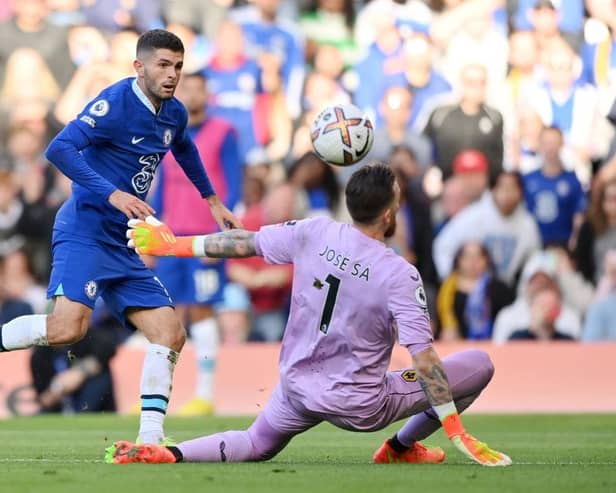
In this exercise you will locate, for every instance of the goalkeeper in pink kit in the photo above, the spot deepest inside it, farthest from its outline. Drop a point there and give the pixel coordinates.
(352, 299)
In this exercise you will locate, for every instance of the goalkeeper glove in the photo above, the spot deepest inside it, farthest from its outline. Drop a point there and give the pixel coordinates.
(466, 443)
(152, 237)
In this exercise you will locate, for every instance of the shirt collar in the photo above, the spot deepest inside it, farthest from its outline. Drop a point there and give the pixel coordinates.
(142, 97)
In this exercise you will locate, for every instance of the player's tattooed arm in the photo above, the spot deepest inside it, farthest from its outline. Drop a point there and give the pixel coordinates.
(432, 377)
(232, 243)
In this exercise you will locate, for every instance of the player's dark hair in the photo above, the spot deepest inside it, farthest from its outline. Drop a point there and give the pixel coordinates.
(369, 192)
(159, 39)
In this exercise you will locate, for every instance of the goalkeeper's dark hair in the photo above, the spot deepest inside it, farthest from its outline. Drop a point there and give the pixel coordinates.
(369, 192)
(158, 39)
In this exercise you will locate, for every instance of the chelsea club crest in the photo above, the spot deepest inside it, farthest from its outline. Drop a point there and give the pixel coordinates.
(91, 289)
(167, 137)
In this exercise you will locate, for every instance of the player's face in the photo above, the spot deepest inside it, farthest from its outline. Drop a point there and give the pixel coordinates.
(161, 72)
(393, 211)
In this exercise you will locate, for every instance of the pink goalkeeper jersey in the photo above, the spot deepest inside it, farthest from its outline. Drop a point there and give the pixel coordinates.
(351, 297)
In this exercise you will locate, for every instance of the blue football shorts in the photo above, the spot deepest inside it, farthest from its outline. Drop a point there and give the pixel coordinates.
(84, 269)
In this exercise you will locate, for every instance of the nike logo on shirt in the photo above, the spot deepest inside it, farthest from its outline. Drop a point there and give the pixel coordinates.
(136, 140)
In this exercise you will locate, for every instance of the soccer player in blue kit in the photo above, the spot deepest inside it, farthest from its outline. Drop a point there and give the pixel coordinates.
(111, 152)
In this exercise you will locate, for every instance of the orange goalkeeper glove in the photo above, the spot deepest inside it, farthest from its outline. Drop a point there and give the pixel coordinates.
(152, 237)
(468, 444)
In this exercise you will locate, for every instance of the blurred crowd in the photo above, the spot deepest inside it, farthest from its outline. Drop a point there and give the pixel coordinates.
(497, 116)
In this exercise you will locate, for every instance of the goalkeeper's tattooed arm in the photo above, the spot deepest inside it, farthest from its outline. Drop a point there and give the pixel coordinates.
(152, 237)
(432, 377)
(232, 243)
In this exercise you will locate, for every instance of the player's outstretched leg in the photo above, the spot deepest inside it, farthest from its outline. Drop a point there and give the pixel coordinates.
(24, 332)
(260, 442)
(66, 325)
(469, 372)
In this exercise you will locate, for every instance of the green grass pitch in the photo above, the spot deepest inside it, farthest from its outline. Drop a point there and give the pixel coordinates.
(551, 453)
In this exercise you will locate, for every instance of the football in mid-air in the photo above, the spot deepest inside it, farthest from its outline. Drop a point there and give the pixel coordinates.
(342, 134)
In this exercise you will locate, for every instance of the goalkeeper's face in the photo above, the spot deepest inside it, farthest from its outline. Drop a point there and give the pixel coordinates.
(161, 72)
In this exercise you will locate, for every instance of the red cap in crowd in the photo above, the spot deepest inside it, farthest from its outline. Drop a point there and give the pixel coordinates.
(470, 161)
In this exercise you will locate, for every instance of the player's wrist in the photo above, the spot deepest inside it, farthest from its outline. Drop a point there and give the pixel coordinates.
(450, 419)
(184, 246)
(213, 199)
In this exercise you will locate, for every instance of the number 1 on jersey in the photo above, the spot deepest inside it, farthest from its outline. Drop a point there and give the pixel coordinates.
(330, 301)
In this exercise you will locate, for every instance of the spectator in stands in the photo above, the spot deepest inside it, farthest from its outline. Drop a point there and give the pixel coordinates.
(576, 291)
(471, 296)
(234, 86)
(571, 106)
(568, 14)
(396, 108)
(539, 273)
(523, 63)
(501, 222)
(482, 125)
(19, 282)
(598, 232)
(480, 42)
(77, 378)
(11, 306)
(11, 212)
(472, 167)
(523, 145)
(87, 82)
(411, 16)
(87, 45)
(198, 48)
(202, 16)
(380, 67)
(550, 23)
(27, 77)
(453, 200)
(266, 32)
(330, 22)
(29, 28)
(598, 53)
(426, 84)
(554, 196)
(317, 180)
(600, 322)
(37, 182)
(545, 306)
(111, 16)
(122, 52)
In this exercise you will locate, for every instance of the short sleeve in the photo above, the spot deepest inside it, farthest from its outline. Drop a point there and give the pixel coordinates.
(97, 120)
(280, 243)
(277, 243)
(408, 306)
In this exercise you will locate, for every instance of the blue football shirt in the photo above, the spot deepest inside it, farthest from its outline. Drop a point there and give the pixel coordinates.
(122, 140)
(553, 201)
